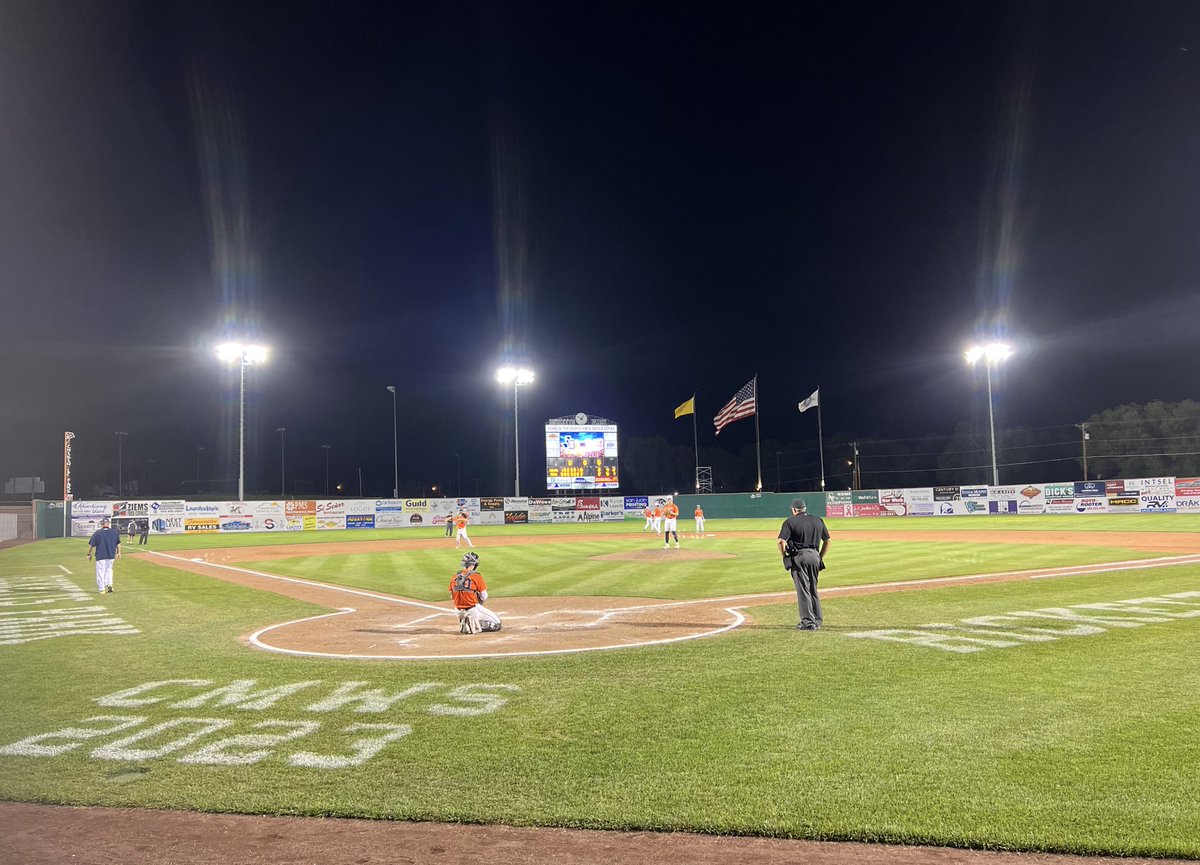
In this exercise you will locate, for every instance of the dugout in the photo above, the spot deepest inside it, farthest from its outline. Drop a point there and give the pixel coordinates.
(719, 506)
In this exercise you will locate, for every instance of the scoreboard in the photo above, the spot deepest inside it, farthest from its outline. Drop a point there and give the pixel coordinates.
(581, 454)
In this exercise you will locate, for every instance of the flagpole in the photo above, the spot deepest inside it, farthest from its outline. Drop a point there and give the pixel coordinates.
(820, 439)
(757, 442)
(695, 444)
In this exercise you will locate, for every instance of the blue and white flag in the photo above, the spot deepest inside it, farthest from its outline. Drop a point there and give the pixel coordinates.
(813, 400)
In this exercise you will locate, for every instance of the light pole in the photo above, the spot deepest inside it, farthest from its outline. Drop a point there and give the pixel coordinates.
(120, 464)
(518, 377)
(244, 355)
(991, 354)
(395, 449)
(282, 464)
(326, 447)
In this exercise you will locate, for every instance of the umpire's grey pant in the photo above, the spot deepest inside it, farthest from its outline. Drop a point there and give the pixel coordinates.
(806, 564)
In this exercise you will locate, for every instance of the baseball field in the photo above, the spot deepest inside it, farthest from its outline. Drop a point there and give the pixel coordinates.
(997, 683)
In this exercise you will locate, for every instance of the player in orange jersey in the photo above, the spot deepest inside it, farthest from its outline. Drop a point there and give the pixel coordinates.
(469, 591)
(649, 513)
(460, 525)
(699, 521)
(658, 515)
(670, 524)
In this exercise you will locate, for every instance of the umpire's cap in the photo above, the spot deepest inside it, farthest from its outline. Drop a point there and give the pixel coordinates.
(799, 505)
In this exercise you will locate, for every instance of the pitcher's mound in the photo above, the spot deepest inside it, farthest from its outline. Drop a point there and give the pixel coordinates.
(674, 554)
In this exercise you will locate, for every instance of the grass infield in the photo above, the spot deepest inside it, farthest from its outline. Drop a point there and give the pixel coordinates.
(1072, 743)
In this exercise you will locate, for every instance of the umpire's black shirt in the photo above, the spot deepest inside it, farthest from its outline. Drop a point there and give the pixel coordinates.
(804, 532)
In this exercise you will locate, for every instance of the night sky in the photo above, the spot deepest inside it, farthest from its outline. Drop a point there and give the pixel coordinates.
(640, 201)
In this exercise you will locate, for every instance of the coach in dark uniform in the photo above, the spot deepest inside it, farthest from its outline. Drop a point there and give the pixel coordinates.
(803, 542)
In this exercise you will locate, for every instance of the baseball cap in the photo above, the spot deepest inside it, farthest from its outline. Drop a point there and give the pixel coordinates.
(799, 504)
(105, 520)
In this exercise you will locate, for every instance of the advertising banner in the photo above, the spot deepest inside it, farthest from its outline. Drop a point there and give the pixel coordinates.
(331, 509)
(559, 505)
(175, 508)
(1089, 489)
(587, 503)
(299, 508)
(265, 509)
(235, 523)
(1091, 505)
(389, 514)
(491, 503)
(171, 524)
(1129, 502)
(136, 510)
(919, 495)
(514, 504)
(612, 515)
(421, 506)
(1157, 502)
(203, 509)
(954, 508)
(98, 509)
(922, 509)
(871, 509)
(637, 504)
(974, 492)
(894, 502)
(946, 494)
(1032, 500)
(489, 518)
(540, 510)
(360, 521)
(1060, 504)
(560, 516)
(1153, 485)
(587, 516)
(837, 497)
(1059, 491)
(1184, 488)
(864, 497)
(1002, 506)
(84, 526)
(269, 522)
(1114, 487)
(516, 517)
(844, 510)
(1187, 504)
(202, 525)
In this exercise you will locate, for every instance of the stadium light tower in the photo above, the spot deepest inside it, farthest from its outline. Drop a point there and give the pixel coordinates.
(991, 354)
(517, 376)
(243, 355)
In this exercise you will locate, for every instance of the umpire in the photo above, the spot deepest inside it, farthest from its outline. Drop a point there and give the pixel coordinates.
(799, 539)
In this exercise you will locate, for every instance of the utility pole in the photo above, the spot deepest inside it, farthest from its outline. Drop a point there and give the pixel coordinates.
(1084, 436)
(855, 471)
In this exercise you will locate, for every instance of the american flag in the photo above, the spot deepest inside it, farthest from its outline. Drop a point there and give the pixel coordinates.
(742, 405)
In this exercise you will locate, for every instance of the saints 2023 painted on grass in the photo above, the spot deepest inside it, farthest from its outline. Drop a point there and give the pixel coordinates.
(136, 738)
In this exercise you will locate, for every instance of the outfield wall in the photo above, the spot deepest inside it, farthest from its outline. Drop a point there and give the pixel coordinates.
(177, 516)
(1132, 495)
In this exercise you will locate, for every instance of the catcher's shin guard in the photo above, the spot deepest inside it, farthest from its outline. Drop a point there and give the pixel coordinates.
(468, 622)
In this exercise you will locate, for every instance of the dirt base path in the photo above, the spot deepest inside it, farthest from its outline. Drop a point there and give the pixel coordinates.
(49, 835)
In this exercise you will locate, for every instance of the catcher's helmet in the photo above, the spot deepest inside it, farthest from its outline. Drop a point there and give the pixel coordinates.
(470, 560)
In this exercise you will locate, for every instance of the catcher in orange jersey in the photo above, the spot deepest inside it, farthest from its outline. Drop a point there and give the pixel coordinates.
(670, 523)
(469, 591)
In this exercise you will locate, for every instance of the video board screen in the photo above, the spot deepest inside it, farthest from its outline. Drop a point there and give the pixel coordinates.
(581, 456)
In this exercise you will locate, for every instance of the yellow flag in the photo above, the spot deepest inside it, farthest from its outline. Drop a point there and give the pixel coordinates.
(688, 407)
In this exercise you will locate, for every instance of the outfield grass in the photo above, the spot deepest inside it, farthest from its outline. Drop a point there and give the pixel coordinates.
(1083, 744)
